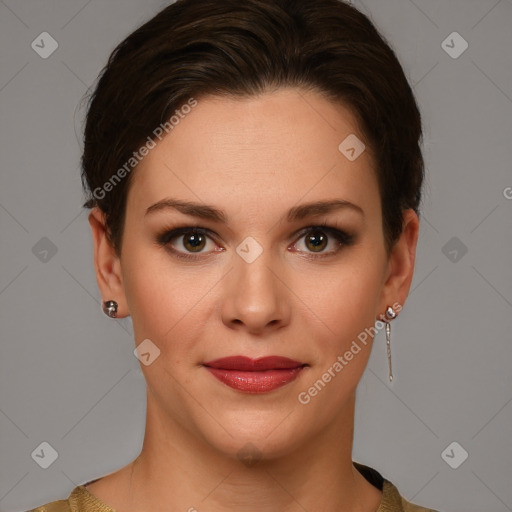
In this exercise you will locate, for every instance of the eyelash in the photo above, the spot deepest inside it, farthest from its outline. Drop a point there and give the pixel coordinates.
(163, 239)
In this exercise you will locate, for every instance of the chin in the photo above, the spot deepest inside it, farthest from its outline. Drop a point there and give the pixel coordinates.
(256, 436)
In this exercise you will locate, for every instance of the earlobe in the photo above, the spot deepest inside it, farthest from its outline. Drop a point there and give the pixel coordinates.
(401, 263)
(106, 263)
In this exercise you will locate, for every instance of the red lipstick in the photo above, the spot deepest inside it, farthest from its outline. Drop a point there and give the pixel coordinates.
(255, 375)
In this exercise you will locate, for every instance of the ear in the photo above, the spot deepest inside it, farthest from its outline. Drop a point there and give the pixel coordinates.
(400, 269)
(107, 263)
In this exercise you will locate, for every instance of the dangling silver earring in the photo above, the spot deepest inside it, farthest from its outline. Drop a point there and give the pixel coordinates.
(110, 308)
(390, 314)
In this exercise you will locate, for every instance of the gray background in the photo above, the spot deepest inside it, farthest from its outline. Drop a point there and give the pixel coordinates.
(68, 375)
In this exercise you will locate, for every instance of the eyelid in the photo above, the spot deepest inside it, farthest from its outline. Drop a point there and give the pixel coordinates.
(169, 234)
(342, 236)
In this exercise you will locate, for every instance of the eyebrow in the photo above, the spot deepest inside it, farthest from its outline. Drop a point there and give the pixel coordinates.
(296, 213)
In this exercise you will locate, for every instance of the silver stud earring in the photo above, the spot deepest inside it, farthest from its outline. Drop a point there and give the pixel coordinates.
(390, 314)
(110, 308)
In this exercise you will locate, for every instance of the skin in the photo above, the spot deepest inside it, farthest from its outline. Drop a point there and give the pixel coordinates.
(240, 155)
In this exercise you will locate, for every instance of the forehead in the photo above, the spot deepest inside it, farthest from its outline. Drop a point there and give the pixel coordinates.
(243, 153)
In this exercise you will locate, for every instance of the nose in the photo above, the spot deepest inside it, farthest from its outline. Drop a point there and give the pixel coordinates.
(256, 298)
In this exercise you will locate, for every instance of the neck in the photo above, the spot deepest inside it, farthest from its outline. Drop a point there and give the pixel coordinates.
(178, 468)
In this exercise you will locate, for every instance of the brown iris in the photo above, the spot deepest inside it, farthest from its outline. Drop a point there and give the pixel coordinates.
(193, 241)
(318, 241)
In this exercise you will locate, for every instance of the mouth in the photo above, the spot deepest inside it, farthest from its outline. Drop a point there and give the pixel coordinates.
(255, 375)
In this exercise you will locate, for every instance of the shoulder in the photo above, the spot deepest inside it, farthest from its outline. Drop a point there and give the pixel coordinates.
(392, 501)
(80, 500)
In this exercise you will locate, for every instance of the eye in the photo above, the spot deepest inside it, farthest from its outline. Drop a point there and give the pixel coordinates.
(191, 239)
(317, 238)
(189, 243)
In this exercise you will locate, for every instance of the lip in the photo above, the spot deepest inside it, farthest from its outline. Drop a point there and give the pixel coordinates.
(255, 375)
(252, 365)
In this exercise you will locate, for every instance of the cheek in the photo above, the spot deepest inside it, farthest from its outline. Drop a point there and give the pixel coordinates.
(344, 301)
(343, 311)
(164, 306)
(167, 304)
(340, 323)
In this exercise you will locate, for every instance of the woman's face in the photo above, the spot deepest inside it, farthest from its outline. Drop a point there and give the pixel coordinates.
(257, 283)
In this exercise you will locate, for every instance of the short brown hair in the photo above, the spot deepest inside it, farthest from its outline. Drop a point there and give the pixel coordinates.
(194, 48)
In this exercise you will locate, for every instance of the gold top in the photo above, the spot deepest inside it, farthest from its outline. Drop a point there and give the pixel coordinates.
(81, 500)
